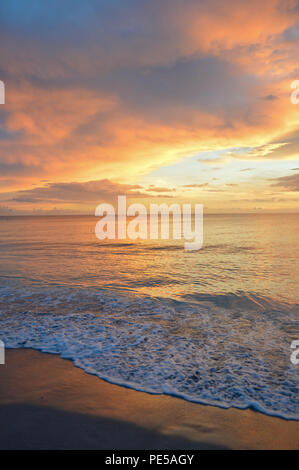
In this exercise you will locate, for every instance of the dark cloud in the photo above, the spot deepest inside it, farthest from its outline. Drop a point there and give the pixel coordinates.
(290, 147)
(90, 192)
(18, 169)
(206, 83)
(270, 97)
(80, 193)
(287, 183)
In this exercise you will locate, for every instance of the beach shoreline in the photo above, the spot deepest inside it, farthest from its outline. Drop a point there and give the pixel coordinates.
(48, 403)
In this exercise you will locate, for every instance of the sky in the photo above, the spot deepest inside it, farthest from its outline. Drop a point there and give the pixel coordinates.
(161, 101)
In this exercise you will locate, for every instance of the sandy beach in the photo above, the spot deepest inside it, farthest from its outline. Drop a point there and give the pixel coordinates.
(47, 403)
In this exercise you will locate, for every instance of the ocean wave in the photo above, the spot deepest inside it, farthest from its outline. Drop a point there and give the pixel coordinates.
(208, 349)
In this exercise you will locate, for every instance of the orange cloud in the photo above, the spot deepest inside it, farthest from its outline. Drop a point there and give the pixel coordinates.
(144, 86)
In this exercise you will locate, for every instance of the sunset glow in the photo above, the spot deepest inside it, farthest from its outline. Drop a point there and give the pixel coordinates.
(153, 100)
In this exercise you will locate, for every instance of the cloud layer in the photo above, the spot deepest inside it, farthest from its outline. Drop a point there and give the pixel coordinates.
(112, 90)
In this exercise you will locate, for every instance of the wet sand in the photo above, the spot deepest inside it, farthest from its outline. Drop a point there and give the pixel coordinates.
(47, 403)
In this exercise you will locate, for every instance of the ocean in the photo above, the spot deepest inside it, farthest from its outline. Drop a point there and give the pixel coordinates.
(213, 326)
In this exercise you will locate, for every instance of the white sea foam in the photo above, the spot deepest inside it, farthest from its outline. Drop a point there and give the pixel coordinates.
(200, 351)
